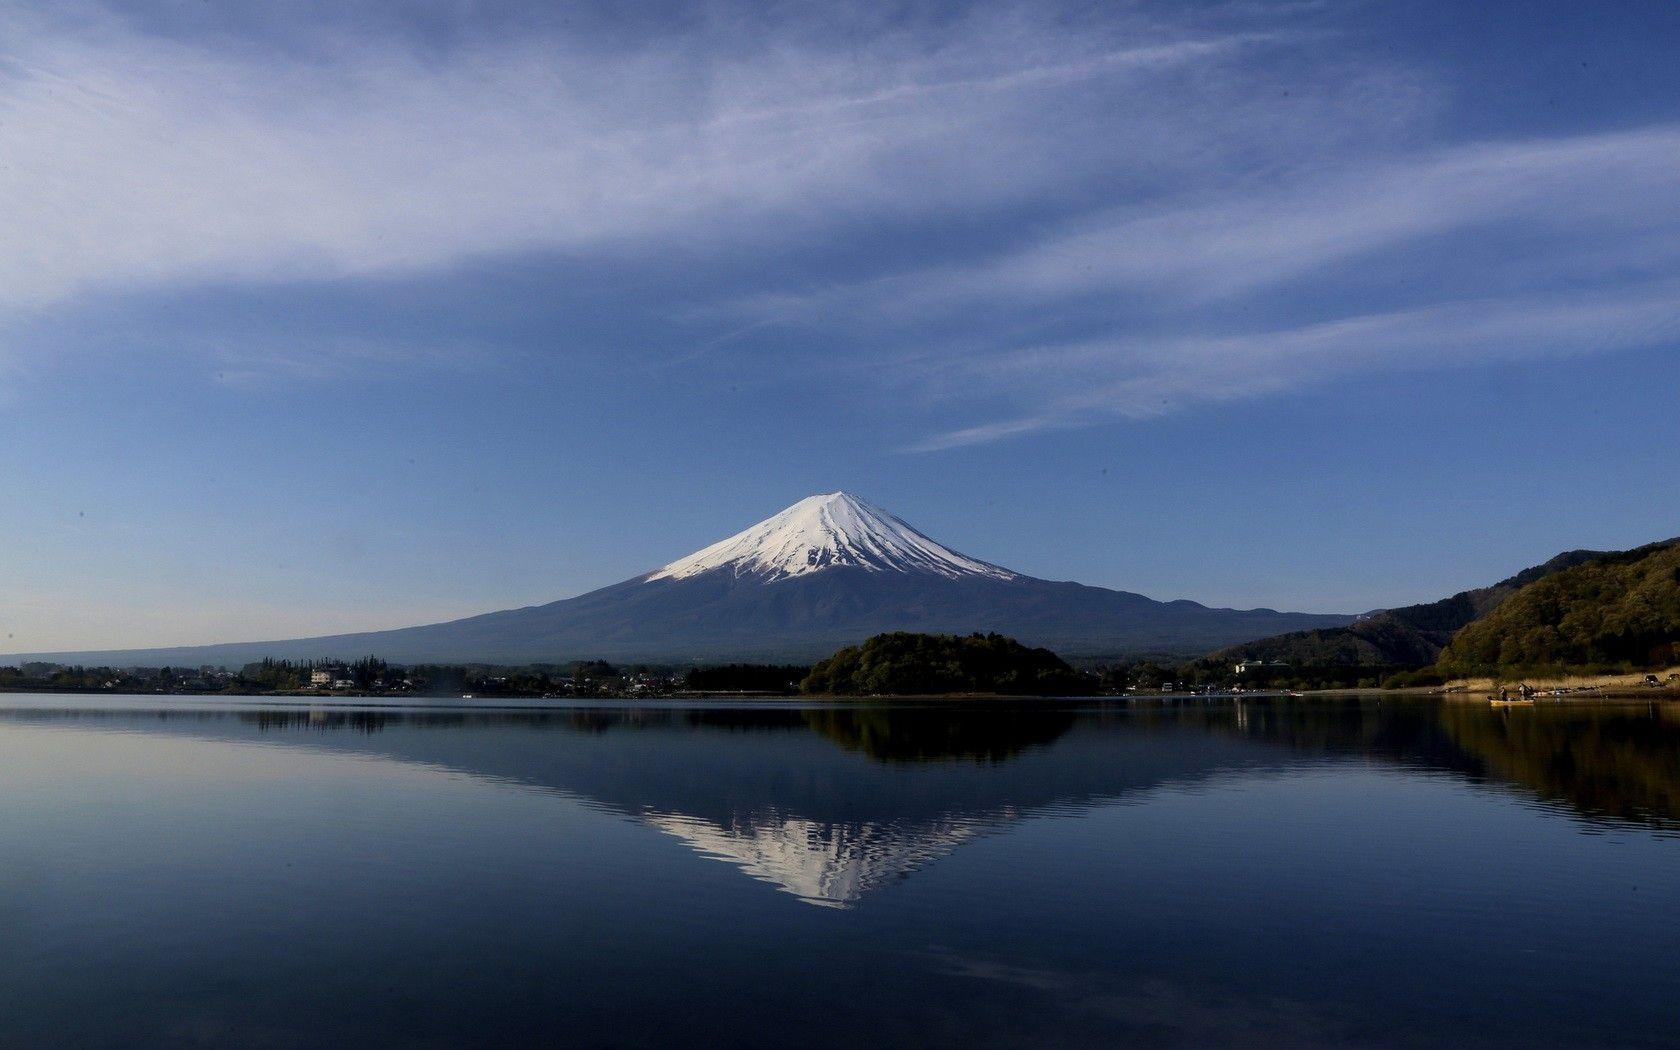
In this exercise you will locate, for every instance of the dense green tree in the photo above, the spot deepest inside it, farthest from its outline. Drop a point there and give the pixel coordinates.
(1393, 639)
(902, 663)
(1620, 610)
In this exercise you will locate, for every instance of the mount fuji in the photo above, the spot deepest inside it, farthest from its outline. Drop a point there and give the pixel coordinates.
(828, 571)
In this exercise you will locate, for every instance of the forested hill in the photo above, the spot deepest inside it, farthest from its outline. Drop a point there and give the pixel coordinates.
(1617, 609)
(902, 663)
(1414, 635)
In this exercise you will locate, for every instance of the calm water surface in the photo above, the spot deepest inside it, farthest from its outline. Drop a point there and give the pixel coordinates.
(1368, 872)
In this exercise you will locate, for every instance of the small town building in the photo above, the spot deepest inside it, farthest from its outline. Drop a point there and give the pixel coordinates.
(331, 678)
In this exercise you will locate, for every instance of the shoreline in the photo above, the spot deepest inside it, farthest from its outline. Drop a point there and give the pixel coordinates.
(1609, 686)
(1555, 690)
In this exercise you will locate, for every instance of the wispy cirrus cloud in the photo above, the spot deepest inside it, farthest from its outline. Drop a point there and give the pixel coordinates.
(1461, 254)
(1574, 189)
(1071, 384)
(1036, 219)
(139, 161)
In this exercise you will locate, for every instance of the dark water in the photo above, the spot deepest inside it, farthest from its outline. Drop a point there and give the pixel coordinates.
(1377, 873)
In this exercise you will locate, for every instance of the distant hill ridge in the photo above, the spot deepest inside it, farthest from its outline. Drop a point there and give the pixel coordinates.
(1414, 635)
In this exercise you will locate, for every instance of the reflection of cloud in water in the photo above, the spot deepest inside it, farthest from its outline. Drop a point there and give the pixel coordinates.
(827, 864)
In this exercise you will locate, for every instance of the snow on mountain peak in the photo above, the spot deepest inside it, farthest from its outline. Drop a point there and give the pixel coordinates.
(825, 532)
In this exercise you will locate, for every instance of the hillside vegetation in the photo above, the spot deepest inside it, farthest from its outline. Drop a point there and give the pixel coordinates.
(1412, 636)
(1618, 610)
(903, 664)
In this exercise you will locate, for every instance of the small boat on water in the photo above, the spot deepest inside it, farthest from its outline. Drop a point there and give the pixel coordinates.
(1523, 694)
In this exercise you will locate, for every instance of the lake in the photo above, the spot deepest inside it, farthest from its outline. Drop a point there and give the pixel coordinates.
(1318, 872)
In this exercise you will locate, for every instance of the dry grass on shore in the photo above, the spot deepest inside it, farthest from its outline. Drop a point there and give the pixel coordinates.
(1633, 684)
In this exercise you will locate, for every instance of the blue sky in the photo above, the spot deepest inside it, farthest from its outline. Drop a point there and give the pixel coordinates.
(373, 314)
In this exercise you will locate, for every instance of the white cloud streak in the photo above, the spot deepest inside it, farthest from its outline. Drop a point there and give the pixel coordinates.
(1583, 228)
(1142, 379)
(136, 161)
(1145, 193)
(1618, 193)
(1583, 186)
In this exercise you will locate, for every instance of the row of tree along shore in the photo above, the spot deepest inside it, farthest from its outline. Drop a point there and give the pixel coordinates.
(890, 664)
(369, 676)
(894, 664)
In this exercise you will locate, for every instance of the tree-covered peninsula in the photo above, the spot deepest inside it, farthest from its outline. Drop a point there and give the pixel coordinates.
(905, 664)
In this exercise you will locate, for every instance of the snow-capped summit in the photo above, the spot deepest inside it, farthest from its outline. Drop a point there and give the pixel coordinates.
(825, 532)
(827, 572)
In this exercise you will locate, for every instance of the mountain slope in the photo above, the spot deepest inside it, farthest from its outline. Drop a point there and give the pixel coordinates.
(827, 572)
(1616, 609)
(1413, 635)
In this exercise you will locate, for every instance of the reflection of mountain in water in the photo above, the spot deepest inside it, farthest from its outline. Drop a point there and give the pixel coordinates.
(832, 804)
(1617, 761)
(1601, 760)
(931, 734)
(757, 788)
(835, 863)
(828, 864)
